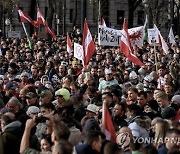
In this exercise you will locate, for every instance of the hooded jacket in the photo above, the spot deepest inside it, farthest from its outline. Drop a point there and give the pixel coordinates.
(10, 139)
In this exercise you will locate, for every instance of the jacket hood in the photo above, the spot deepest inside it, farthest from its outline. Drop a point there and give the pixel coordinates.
(143, 122)
(12, 126)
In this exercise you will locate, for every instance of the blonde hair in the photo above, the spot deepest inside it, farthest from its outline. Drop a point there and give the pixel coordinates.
(161, 94)
(161, 128)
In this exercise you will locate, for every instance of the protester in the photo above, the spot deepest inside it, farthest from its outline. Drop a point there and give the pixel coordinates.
(47, 82)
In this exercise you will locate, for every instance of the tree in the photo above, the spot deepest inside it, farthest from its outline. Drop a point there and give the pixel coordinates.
(133, 4)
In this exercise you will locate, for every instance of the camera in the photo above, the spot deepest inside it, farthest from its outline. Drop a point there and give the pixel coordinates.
(41, 119)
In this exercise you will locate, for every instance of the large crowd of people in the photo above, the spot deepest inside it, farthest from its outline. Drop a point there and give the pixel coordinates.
(50, 103)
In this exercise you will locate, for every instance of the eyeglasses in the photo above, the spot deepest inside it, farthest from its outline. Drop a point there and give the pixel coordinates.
(59, 95)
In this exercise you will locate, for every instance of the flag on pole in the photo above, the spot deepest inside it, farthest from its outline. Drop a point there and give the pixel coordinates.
(107, 124)
(171, 36)
(164, 45)
(69, 45)
(87, 43)
(24, 17)
(41, 20)
(146, 29)
(125, 46)
(103, 23)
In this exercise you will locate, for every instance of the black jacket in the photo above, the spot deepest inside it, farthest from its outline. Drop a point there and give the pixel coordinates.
(10, 139)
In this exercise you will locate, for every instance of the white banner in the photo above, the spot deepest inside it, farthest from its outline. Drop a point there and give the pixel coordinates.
(108, 36)
(111, 37)
(14, 34)
(78, 51)
(153, 36)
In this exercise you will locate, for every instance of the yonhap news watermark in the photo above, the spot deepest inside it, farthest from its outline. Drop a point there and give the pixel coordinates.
(125, 139)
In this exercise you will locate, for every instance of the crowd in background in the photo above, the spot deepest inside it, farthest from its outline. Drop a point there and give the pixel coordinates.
(50, 103)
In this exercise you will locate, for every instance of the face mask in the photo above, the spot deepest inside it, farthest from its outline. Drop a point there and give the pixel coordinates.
(175, 106)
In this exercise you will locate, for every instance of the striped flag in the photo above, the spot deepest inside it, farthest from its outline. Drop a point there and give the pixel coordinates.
(126, 48)
(24, 17)
(87, 43)
(69, 45)
(107, 124)
(41, 20)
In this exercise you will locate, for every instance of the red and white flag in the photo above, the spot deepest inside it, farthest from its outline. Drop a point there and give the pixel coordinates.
(41, 20)
(24, 17)
(126, 48)
(103, 23)
(69, 44)
(107, 124)
(164, 45)
(88, 44)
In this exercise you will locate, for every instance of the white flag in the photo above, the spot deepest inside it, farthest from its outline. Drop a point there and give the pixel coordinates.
(136, 36)
(171, 36)
(162, 42)
(78, 51)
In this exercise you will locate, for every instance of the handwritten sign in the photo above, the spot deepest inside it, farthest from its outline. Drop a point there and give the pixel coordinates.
(14, 34)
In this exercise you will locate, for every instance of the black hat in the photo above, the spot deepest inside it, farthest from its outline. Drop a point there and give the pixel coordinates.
(116, 92)
(91, 125)
(153, 105)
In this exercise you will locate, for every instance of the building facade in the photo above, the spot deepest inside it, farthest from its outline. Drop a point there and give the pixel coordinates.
(65, 14)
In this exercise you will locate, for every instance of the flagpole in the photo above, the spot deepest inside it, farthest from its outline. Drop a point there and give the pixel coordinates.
(30, 46)
(103, 115)
(155, 56)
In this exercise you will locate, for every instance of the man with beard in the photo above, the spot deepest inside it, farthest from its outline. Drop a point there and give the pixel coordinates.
(10, 91)
(119, 116)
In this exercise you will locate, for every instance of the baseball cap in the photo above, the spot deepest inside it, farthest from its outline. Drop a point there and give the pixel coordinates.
(133, 75)
(108, 71)
(91, 125)
(24, 74)
(64, 93)
(30, 95)
(92, 108)
(10, 85)
(46, 93)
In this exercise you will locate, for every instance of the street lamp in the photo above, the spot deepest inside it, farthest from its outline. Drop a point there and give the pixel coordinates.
(8, 23)
(146, 6)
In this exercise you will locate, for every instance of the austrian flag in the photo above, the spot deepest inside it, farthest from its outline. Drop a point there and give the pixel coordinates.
(88, 44)
(108, 127)
(69, 44)
(41, 20)
(24, 17)
(126, 48)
